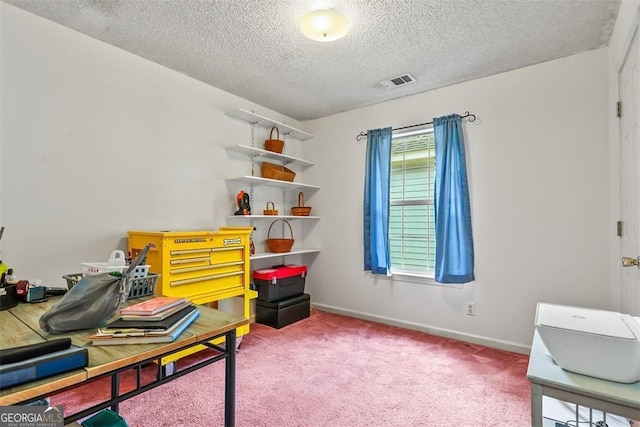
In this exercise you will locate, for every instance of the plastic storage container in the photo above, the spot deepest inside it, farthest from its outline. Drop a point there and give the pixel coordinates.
(116, 262)
(284, 312)
(280, 282)
(141, 285)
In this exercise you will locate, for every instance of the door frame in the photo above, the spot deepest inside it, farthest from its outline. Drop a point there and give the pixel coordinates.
(614, 158)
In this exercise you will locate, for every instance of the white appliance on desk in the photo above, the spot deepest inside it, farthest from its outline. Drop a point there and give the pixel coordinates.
(598, 343)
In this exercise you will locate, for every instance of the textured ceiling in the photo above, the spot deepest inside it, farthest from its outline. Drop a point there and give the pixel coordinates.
(252, 48)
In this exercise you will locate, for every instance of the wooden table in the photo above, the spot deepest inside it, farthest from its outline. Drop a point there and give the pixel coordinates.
(549, 379)
(20, 326)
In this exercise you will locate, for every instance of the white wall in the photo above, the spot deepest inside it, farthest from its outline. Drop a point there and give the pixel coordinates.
(537, 159)
(97, 141)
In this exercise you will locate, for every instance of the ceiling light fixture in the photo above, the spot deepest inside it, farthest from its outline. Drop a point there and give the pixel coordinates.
(324, 25)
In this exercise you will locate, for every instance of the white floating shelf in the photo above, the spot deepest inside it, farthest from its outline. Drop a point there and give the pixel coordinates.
(272, 217)
(286, 185)
(253, 118)
(261, 154)
(265, 255)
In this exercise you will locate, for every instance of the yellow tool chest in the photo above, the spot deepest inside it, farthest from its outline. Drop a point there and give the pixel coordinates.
(203, 266)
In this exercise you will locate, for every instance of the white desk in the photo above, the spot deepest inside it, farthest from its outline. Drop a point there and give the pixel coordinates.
(549, 379)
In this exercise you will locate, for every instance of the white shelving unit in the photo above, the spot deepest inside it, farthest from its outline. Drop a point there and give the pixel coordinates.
(257, 155)
(260, 120)
(274, 217)
(257, 181)
(265, 255)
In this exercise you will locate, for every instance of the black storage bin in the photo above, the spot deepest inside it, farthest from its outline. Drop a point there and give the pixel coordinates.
(280, 282)
(283, 312)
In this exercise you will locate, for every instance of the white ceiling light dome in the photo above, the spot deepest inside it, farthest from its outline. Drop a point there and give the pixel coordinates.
(324, 25)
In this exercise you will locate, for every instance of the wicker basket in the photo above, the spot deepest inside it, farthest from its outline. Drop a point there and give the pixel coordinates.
(275, 145)
(279, 245)
(301, 209)
(273, 171)
(272, 211)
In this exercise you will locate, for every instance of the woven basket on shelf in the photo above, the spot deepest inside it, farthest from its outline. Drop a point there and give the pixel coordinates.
(301, 209)
(273, 171)
(275, 145)
(272, 211)
(279, 245)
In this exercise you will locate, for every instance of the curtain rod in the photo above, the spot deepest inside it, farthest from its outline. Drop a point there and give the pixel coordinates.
(471, 117)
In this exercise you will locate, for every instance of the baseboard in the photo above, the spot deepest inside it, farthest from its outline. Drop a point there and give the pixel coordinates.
(441, 332)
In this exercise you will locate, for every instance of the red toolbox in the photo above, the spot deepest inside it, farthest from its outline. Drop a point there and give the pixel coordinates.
(280, 281)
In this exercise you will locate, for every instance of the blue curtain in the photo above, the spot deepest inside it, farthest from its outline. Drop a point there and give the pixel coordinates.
(377, 258)
(454, 242)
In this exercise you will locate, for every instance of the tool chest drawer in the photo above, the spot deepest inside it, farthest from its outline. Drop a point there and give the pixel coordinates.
(202, 265)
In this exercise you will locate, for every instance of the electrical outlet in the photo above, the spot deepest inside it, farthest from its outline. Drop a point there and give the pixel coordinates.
(471, 309)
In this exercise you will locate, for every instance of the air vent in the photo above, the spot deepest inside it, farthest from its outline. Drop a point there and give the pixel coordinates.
(398, 81)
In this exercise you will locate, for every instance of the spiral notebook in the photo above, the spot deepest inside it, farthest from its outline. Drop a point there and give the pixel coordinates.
(153, 306)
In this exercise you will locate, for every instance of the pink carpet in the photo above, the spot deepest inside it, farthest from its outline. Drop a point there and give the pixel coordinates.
(334, 371)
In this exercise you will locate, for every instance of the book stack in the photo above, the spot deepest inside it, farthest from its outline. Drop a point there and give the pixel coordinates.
(158, 320)
(19, 365)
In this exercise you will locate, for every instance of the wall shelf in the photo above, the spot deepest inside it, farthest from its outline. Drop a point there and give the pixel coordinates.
(285, 185)
(266, 255)
(274, 217)
(257, 119)
(260, 154)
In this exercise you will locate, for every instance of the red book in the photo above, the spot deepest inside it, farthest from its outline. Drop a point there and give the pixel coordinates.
(153, 306)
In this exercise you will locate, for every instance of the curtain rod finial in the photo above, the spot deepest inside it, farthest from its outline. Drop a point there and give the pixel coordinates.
(471, 117)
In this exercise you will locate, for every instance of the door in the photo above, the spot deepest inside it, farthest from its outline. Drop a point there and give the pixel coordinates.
(629, 162)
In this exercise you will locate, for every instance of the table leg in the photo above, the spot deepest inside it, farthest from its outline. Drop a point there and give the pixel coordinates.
(230, 380)
(536, 405)
(115, 391)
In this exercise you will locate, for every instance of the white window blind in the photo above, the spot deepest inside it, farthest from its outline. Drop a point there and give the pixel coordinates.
(411, 221)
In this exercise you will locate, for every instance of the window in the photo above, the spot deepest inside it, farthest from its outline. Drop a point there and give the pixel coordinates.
(412, 237)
